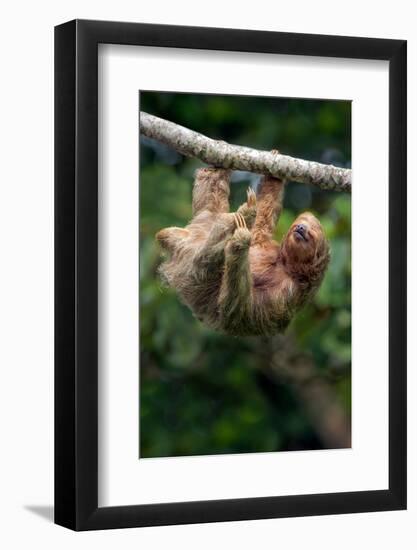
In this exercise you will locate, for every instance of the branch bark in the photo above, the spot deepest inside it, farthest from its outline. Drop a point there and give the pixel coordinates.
(237, 157)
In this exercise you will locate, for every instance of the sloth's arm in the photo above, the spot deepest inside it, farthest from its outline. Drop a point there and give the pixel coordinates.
(270, 199)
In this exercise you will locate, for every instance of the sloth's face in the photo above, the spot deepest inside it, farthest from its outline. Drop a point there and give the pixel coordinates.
(305, 240)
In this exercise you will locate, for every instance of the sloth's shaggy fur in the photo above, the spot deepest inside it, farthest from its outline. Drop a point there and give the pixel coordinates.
(227, 268)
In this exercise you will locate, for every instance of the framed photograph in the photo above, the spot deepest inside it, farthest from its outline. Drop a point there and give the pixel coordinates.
(230, 252)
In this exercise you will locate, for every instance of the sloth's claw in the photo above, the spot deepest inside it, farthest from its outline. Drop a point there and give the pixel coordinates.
(251, 200)
(236, 220)
(239, 221)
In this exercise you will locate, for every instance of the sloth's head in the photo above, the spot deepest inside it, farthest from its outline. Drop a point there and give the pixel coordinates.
(305, 248)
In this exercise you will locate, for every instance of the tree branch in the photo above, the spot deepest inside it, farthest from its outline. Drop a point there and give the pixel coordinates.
(237, 157)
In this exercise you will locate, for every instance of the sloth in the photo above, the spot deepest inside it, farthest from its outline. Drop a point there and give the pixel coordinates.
(227, 268)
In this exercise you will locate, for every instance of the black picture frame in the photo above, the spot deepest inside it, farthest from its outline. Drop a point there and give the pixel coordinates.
(76, 272)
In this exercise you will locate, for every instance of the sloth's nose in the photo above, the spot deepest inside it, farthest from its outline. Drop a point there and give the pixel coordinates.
(301, 228)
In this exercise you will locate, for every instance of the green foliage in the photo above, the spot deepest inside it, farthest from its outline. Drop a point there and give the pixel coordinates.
(202, 392)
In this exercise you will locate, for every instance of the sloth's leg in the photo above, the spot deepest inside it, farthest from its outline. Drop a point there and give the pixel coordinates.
(270, 198)
(235, 299)
(211, 191)
(170, 237)
(223, 227)
(211, 253)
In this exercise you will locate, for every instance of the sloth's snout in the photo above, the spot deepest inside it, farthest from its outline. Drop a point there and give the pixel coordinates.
(301, 230)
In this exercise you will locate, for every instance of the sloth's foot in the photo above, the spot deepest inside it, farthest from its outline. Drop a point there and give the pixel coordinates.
(248, 209)
(241, 237)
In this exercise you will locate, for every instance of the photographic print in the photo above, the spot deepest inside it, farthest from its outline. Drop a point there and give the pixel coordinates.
(245, 281)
